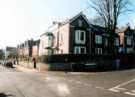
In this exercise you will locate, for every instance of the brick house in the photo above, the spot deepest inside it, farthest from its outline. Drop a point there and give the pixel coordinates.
(127, 40)
(76, 36)
(100, 41)
(20, 50)
(25, 49)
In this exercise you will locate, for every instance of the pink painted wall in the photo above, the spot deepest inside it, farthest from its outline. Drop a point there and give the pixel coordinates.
(64, 39)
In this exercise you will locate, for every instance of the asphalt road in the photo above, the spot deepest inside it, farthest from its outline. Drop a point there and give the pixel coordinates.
(30, 83)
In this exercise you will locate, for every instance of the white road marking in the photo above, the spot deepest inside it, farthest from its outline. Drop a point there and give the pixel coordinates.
(116, 89)
(133, 91)
(85, 84)
(125, 83)
(129, 93)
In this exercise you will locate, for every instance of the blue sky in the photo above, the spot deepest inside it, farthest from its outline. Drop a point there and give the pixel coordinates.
(24, 19)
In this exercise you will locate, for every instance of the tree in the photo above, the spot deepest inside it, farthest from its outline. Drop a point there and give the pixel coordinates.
(97, 21)
(109, 11)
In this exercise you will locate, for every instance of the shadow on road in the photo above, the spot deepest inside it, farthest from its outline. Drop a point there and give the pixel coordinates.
(5, 95)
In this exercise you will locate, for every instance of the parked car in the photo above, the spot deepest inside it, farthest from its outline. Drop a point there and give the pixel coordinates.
(8, 64)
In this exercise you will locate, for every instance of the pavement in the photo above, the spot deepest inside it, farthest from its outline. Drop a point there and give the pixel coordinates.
(23, 82)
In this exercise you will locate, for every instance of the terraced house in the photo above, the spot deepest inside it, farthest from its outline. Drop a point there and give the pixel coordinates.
(127, 40)
(77, 41)
(25, 49)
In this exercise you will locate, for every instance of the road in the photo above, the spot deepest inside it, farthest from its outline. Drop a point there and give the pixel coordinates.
(22, 82)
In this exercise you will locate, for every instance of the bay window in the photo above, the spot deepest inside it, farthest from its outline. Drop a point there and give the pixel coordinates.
(80, 37)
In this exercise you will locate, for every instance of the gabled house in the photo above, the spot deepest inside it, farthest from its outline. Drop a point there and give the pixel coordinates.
(76, 36)
(69, 37)
(25, 49)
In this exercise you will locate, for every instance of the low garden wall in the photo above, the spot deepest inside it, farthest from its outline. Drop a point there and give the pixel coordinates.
(73, 62)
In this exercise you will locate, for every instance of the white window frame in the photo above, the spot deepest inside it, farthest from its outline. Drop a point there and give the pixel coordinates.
(50, 41)
(98, 51)
(76, 50)
(79, 50)
(116, 42)
(78, 37)
(129, 41)
(98, 39)
(84, 50)
(129, 50)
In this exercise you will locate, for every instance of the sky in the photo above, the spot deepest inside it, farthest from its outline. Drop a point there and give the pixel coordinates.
(21, 20)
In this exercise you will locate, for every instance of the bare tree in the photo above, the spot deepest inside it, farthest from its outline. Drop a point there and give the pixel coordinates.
(97, 21)
(109, 11)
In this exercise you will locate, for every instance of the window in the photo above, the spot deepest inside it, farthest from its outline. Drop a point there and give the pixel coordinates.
(129, 42)
(50, 41)
(80, 50)
(98, 50)
(129, 50)
(121, 50)
(106, 42)
(80, 23)
(116, 42)
(49, 52)
(98, 39)
(83, 50)
(80, 37)
(76, 50)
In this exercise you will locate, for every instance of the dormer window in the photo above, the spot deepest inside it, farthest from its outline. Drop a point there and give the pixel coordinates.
(80, 23)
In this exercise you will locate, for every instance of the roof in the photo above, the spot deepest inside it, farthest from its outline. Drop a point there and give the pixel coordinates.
(69, 21)
(36, 42)
(74, 18)
(10, 48)
(126, 29)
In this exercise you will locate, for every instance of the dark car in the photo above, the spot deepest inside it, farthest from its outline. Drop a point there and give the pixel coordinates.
(9, 64)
